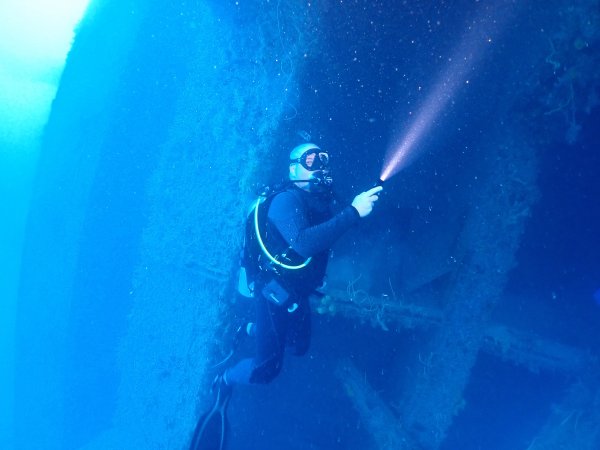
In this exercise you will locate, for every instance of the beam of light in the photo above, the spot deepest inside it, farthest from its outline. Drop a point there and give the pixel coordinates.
(405, 150)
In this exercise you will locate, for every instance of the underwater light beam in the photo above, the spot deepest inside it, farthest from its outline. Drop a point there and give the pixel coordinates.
(405, 150)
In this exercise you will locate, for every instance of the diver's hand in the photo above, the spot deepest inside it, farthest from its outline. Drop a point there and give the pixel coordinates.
(363, 203)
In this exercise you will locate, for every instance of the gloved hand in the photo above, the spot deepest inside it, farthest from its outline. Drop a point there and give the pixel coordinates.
(363, 203)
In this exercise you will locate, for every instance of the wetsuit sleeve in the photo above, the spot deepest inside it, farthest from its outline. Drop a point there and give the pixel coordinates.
(289, 217)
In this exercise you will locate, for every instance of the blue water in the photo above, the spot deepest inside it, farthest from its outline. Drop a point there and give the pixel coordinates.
(533, 86)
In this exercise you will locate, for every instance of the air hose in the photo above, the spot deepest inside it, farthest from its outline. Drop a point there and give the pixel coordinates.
(264, 249)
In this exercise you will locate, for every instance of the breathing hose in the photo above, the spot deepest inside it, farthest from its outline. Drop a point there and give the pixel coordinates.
(264, 249)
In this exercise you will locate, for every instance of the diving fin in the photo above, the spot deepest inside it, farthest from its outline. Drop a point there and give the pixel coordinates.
(211, 430)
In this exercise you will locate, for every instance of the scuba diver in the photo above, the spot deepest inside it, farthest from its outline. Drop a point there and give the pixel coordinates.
(286, 250)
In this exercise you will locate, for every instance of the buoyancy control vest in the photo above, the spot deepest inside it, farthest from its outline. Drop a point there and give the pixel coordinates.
(266, 256)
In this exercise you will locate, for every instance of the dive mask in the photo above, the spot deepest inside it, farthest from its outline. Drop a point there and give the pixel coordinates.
(312, 160)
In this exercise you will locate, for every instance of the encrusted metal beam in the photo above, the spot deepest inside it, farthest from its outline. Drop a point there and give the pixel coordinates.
(378, 419)
(521, 348)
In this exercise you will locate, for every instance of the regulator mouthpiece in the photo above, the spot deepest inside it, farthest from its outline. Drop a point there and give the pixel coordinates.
(321, 178)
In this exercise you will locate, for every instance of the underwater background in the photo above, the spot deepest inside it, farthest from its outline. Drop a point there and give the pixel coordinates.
(462, 314)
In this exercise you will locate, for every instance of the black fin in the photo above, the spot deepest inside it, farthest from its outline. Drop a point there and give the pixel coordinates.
(211, 430)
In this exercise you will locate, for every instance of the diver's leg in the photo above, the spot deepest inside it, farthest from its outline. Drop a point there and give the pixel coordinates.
(271, 330)
(270, 333)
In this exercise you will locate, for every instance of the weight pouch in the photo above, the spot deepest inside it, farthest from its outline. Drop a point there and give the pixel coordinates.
(274, 292)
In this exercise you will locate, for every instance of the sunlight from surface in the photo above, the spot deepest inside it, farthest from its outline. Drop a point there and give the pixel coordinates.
(35, 37)
(38, 31)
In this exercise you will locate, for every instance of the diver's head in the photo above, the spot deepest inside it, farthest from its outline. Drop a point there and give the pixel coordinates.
(309, 168)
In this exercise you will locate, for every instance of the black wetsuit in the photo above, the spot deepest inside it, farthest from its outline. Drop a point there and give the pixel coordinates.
(304, 222)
